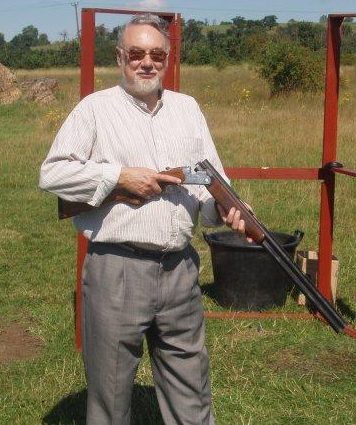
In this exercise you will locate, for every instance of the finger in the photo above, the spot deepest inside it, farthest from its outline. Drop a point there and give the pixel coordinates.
(236, 220)
(241, 227)
(156, 189)
(250, 240)
(168, 179)
(230, 216)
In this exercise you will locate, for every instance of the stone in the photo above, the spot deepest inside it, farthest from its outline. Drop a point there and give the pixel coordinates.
(9, 90)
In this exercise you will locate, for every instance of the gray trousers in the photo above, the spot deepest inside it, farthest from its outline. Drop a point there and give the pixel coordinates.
(126, 296)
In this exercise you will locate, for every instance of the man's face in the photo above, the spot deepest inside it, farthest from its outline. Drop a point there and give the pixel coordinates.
(142, 76)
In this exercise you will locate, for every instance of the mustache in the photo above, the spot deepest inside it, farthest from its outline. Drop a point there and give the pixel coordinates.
(146, 73)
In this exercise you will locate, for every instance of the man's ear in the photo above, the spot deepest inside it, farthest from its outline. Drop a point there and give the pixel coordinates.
(118, 56)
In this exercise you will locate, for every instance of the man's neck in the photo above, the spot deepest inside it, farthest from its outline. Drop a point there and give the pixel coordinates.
(150, 99)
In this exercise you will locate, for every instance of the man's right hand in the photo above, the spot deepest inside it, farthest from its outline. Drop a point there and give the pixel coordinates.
(144, 182)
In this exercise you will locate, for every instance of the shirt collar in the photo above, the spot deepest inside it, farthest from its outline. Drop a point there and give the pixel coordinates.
(142, 105)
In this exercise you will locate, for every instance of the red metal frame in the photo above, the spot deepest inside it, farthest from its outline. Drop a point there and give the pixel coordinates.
(326, 176)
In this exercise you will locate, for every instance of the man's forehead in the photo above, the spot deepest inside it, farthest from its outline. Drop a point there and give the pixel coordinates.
(143, 35)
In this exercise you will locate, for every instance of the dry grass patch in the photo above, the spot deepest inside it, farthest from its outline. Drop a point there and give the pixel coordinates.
(53, 72)
(251, 333)
(10, 235)
(323, 366)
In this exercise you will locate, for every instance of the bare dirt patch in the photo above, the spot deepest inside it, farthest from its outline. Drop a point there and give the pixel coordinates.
(17, 344)
(323, 366)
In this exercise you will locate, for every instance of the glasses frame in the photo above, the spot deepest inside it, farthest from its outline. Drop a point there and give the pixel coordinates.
(150, 52)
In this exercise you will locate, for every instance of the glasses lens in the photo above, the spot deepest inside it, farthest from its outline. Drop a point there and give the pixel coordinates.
(136, 54)
(158, 55)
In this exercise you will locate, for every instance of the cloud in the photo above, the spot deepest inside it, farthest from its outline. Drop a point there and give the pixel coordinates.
(151, 4)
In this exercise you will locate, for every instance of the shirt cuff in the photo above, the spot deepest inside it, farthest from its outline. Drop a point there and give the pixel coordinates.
(110, 177)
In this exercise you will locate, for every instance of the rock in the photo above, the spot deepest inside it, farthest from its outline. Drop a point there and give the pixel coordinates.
(9, 91)
(40, 89)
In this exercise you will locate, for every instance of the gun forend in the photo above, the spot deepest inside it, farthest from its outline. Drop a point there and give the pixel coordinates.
(224, 196)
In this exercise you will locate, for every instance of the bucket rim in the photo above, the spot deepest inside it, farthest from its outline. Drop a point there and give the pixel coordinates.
(209, 238)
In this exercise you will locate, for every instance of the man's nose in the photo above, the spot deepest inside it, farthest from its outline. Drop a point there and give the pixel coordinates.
(147, 61)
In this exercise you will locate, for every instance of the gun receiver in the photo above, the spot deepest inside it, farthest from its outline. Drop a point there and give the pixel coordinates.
(227, 198)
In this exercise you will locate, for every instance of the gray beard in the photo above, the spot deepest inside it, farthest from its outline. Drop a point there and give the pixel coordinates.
(142, 88)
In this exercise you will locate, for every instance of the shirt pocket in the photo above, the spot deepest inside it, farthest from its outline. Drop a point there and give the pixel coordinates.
(183, 151)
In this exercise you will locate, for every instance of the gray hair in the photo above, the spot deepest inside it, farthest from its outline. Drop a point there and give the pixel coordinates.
(146, 19)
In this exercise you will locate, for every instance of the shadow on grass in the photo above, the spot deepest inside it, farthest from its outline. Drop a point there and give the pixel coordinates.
(71, 409)
(345, 309)
(209, 289)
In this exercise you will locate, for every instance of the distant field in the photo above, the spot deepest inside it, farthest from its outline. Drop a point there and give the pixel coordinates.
(262, 371)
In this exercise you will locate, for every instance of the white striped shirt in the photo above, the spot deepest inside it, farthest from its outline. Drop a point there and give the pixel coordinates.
(110, 129)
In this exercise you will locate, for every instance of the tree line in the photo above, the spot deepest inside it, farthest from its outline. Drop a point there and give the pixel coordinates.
(238, 40)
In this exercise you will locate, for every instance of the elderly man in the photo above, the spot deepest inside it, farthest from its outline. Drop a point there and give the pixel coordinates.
(140, 276)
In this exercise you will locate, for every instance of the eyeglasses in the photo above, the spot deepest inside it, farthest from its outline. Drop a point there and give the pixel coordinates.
(156, 55)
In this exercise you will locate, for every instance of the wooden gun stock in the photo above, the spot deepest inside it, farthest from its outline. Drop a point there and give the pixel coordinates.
(67, 209)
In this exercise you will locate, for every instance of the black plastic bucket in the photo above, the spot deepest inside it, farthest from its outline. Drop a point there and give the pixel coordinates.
(246, 276)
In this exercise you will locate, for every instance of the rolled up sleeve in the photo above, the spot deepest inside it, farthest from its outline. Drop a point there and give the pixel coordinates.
(68, 170)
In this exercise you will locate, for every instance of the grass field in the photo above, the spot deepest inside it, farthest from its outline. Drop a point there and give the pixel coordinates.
(262, 372)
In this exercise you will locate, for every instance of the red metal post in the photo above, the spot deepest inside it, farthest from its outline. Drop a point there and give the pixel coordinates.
(86, 87)
(177, 43)
(172, 77)
(87, 52)
(329, 154)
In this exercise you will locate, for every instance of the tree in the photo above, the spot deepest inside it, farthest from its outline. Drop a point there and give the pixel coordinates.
(307, 34)
(31, 34)
(191, 35)
(323, 19)
(269, 21)
(43, 40)
(311, 35)
(115, 32)
(239, 21)
(2, 39)
(28, 38)
(101, 32)
(192, 32)
(348, 19)
(289, 67)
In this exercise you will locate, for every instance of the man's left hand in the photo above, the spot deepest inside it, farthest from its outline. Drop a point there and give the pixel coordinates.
(233, 220)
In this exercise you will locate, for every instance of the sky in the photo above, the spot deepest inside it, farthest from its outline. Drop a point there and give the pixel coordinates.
(54, 17)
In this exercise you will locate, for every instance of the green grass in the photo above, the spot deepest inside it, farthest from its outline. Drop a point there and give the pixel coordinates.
(262, 372)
